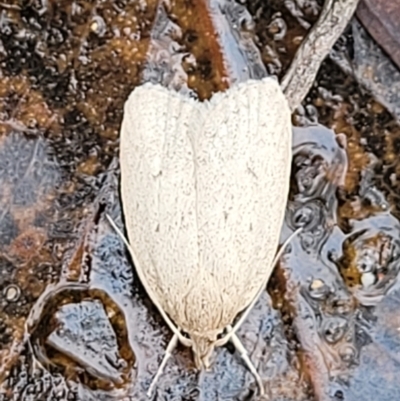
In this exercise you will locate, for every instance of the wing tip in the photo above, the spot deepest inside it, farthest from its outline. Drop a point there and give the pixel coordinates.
(156, 92)
(269, 85)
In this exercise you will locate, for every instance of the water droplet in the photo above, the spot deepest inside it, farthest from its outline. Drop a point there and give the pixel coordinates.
(334, 329)
(318, 289)
(12, 293)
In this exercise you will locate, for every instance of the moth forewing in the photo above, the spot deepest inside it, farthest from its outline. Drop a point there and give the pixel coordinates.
(204, 188)
(157, 187)
(243, 157)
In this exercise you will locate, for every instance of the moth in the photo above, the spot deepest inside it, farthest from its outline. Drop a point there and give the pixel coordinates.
(204, 188)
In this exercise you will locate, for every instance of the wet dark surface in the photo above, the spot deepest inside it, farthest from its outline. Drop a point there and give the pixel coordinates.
(379, 17)
(75, 322)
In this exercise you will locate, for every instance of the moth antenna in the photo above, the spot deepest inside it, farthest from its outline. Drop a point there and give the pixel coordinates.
(244, 355)
(230, 333)
(185, 341)
(168, 352)
(284, 246)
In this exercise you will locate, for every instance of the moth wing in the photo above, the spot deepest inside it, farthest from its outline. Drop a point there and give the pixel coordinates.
(243, 161)
(158, 192)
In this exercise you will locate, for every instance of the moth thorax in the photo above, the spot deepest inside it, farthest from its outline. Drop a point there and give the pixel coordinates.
(203, 346)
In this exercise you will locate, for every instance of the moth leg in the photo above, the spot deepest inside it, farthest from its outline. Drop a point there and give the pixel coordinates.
(243, 353)
(185, 341)
(168, 352)
(242, 318)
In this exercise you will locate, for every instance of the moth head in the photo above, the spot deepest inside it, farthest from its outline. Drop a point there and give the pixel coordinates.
(203, 346)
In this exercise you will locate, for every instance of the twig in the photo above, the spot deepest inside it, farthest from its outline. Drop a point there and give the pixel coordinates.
(334, 17)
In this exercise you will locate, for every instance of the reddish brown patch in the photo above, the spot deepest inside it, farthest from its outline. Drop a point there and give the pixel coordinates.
(28, 244)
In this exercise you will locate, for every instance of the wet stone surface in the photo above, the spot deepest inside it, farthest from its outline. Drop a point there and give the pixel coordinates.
(75, 321)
